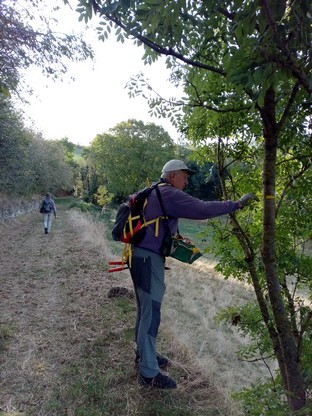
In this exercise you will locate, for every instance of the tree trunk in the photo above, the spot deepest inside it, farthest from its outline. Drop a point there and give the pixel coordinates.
(290, 368)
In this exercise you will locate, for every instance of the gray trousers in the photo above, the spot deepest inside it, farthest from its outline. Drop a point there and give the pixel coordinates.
(47, 220)
(148, 275)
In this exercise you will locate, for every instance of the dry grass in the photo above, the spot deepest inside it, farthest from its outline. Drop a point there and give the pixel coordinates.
(194, 296)
(68, 348)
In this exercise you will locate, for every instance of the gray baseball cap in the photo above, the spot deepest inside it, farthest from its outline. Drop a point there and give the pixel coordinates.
(176, 164)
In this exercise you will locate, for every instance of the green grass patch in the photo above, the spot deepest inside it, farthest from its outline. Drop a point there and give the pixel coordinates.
(72, 202)
(84, 206)
(192, 229)
(78, 153)
(64, 201)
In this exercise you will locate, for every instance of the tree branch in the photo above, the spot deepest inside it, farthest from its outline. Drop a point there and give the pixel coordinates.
(288, 107)
(290, 182)
(306, 322)
(286, 62)
(154, 46)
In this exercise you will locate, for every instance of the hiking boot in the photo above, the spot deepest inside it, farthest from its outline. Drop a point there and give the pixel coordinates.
(161, 381)
(46, 231)
(161, 360)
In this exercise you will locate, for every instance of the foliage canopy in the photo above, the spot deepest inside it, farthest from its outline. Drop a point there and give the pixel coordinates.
(129, 155)
(28, 163)
(29, 38)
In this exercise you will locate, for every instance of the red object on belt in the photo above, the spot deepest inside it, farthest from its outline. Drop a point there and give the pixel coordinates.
(117, 269)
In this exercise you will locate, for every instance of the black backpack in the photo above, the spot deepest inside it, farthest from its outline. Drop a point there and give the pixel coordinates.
(130, 224)
(46, 206)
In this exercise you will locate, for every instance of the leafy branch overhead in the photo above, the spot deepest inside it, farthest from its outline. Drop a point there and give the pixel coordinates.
(267, 33)
(26, 41)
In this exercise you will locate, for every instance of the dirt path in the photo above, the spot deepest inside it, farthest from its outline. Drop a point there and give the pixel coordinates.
(47, 283)
(66, 348)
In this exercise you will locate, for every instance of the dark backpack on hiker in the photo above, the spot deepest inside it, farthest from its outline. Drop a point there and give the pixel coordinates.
(46, 207)
(130, 224)
(130, 228)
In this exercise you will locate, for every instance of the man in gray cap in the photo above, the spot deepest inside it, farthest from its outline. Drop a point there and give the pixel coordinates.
(148, 263)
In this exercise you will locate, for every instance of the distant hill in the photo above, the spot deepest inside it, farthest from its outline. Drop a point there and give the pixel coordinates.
(78, 152)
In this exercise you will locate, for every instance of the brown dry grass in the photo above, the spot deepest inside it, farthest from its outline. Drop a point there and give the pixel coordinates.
(195, 294)
(66, 348)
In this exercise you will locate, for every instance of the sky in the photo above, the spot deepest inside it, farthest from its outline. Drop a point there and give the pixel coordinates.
(97, 100)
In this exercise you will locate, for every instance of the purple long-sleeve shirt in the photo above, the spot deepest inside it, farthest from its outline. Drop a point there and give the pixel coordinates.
(178, 204)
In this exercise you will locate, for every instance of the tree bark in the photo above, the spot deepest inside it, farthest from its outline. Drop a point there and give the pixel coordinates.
(289, 365)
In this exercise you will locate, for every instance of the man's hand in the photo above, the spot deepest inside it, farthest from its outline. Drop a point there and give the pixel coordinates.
(245, 199)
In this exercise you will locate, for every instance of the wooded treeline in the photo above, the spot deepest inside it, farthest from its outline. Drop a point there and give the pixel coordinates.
(28, 163)
(130, 156)
(116, 164)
